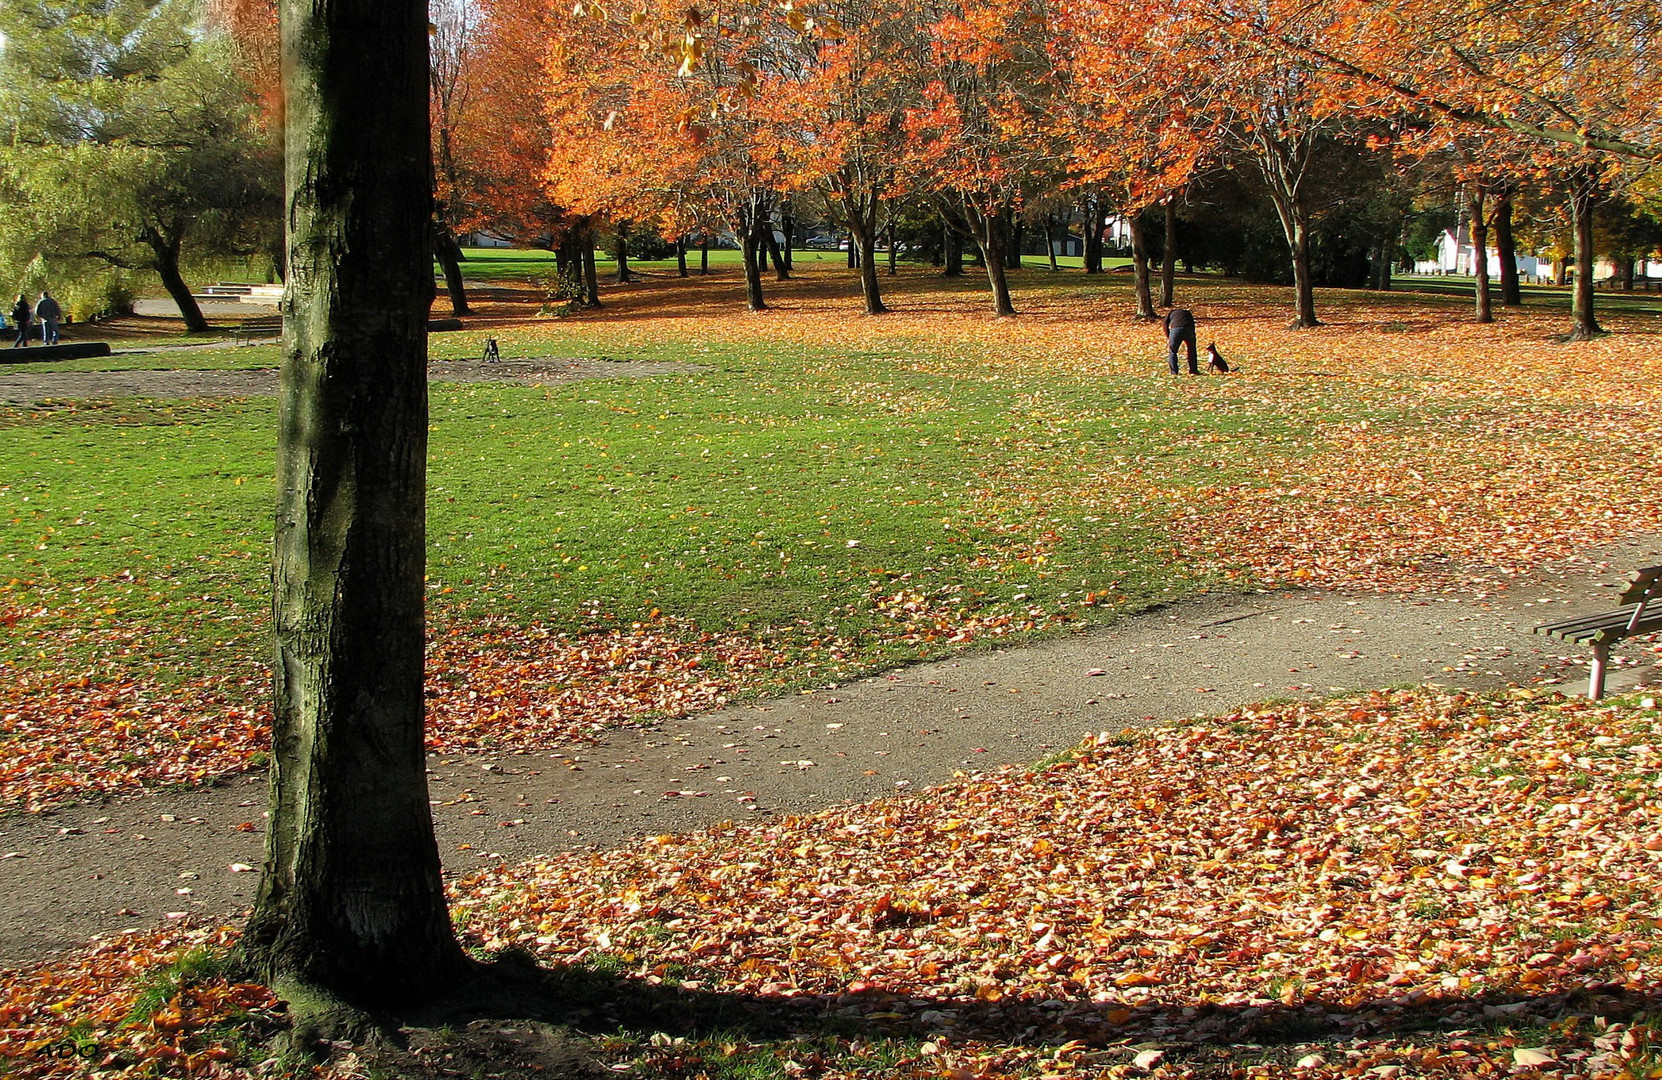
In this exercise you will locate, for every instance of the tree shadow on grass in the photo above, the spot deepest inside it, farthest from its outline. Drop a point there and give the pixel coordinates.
(519, 1016)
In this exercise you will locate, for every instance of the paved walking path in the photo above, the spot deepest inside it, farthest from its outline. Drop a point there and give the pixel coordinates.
(135, 862)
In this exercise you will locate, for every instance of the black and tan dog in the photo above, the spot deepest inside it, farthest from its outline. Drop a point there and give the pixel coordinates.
(1214, 359)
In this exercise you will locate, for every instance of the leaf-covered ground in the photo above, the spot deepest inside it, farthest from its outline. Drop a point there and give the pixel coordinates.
(1400, 447)
(66, 736)
(1399, 884)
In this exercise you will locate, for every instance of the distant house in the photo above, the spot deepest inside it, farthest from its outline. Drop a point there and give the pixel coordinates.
(1455, 255)
(486, 240)
(1069, 243)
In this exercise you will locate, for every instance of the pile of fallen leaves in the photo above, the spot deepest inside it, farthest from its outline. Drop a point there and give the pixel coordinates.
(497, 687)
(68, 735)
(504, 687)
(148, 1004)
(1400, 884)
(1367, 876)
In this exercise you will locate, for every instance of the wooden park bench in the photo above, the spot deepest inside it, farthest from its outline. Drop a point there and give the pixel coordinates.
(1604, 629)
(258, 326)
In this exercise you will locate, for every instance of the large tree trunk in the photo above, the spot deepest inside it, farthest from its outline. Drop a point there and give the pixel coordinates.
(781, 269)
(952, 250)
(1584, 193)
(869, 288)
(591, 274)
(622, 253)
(166, 251)
(1050, 240)
(990, 241)
(1304, 288)
(1506, 250)
(1484, 304)
(351, 906)
(449, 255)
(681, 256)
(1095, 221)
(704, 254)
(1140, 268)
(750, 247)
(1168, 257)
(859, 209)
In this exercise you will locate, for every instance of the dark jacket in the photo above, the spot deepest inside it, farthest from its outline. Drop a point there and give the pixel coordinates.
(21, 312)
(1179, 320)
(48, 308)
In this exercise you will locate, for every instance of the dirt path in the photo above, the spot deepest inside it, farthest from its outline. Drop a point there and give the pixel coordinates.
(27, 387)
(94, 869)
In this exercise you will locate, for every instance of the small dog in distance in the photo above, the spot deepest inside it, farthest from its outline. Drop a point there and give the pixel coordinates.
(1214, 359)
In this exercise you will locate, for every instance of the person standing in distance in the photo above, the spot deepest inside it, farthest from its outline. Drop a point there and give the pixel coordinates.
(1180, 330)
(21, 314)
(49, 313)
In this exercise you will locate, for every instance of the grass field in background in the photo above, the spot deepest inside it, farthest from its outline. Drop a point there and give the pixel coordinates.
(818, 475)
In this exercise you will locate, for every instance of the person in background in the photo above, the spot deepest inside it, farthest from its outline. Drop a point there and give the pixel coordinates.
(49, 314)
(21, 314)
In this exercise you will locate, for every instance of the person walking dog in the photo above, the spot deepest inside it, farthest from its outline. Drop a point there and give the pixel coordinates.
(1180, 330)
(49, 314)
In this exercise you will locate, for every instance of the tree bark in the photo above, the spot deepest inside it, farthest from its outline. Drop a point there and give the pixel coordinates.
(1584, 195)
(165, 252)
(1140, 267)
(1483, 302)
(449, 255)
(870, 291)
(781, 269)
(591, 275)
(622, 253)
(750, 248)
(787, 225)
(952, 250)
(1303, 285)
(681, 255)
(1095, 221)
(1168, 257)
(704, 254)
(1506, 250)
(351, 907)
(990, 241)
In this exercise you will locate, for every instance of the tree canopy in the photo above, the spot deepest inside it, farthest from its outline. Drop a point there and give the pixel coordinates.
(129, 133)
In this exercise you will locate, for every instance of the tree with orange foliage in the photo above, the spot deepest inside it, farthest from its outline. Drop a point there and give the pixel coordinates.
(501, 140)
(1577, 78)
(977, 141)
(1134, 121)
(654, 110)
(837, 106)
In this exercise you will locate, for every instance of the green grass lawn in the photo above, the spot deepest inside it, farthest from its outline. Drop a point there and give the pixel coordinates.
(776, 491)
(798, 492)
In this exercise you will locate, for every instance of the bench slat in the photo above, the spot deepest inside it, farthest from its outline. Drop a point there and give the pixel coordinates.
(1618, 616)
(1606, 626)
(1643, 584)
